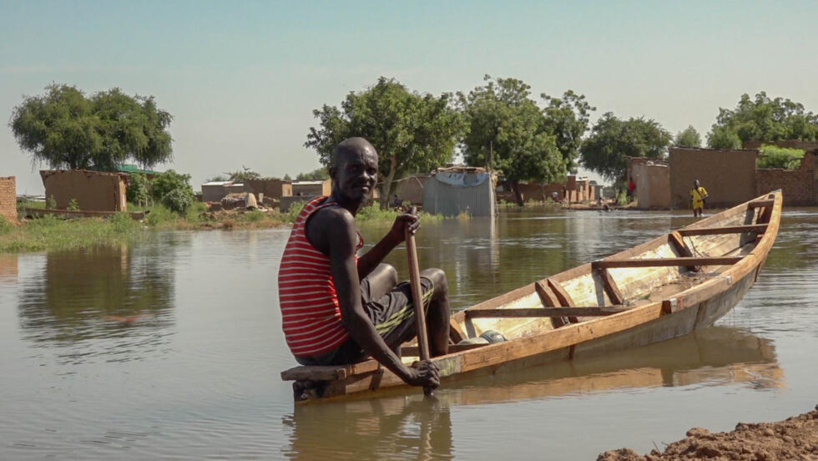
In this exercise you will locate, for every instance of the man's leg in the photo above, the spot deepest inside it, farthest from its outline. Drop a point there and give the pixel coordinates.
(437, 315)
(381, 281)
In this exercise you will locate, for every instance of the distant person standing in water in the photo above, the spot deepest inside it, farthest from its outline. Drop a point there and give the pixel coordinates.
(698, 197)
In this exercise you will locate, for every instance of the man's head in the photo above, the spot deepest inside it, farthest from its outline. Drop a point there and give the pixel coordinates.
(354, 171)
(696, 183)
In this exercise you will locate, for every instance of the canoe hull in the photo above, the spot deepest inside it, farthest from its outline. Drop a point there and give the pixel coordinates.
(677, 312)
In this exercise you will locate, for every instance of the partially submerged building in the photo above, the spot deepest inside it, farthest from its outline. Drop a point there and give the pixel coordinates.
(728, 175)
(652, 180)
(92, 190)
(455, 190)
(8, 198)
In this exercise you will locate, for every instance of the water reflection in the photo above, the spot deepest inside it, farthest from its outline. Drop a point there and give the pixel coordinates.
(386, 428)
(412, 427)
(112, 302)
(8, 268)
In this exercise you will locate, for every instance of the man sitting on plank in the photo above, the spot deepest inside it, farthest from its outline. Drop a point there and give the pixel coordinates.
(338, 308)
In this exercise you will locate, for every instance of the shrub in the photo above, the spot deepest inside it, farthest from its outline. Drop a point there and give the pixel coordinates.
(779, 157)
(5, 226)
(123, 223)
(138, 189)
(172, 190)
(293, 211)
(51, 203)
(73, 205)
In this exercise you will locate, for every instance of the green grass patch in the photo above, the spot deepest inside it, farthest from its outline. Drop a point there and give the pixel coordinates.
(51, 233)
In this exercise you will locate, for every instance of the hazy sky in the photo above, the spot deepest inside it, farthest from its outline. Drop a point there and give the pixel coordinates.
(242, 78)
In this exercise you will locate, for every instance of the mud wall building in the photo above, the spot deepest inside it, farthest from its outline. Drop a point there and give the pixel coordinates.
(216, 190)
(8, 198)
(411, 189)
(652, 179)
(728, 175)
(93, 190)
(272, 188)
(311, 189)
(798, 185)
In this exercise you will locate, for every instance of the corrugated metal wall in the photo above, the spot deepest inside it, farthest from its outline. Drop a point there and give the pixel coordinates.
(449, 200)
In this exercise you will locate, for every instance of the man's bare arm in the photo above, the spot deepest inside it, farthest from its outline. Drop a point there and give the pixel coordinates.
(368, 262)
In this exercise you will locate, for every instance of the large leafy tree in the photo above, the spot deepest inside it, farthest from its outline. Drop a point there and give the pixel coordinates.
(688, 138)
(66, 129)
(508, 131)
(763, 120)
(613, 140)
(412, 132)
(567, 118)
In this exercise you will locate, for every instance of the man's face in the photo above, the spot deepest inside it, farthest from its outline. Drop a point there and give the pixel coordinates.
(356, 175)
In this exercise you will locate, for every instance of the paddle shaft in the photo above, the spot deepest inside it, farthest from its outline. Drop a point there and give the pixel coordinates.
(417, 298)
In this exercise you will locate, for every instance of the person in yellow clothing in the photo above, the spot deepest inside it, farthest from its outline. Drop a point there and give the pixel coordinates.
(698, 195)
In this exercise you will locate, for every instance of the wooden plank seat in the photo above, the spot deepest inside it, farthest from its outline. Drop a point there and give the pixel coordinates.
(761, 203)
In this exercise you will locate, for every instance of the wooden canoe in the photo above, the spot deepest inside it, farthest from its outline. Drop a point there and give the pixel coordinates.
(664, 288)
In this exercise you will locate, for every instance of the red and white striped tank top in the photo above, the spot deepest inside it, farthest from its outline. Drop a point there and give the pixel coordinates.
(310, 313)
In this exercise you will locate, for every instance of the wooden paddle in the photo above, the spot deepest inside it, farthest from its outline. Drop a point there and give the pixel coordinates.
(417, 295)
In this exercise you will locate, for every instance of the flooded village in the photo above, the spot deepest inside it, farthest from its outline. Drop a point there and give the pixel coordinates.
(415, 231)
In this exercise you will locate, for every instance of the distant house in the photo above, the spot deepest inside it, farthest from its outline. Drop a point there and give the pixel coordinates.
(8, 198)
(312, 188)
(455, 190)
(215, 191)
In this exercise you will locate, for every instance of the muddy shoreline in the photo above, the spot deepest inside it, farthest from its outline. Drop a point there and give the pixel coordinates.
(793, 438)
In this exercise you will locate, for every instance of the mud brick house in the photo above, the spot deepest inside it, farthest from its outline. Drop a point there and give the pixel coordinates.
(8, 198)
(652, 179)
(728, 175)
(93, 190)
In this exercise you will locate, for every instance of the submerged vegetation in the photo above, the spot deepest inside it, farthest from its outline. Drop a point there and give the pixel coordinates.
(51, 233)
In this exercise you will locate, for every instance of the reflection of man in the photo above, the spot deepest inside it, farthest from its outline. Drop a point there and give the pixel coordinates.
(338, 308)
(698, 195)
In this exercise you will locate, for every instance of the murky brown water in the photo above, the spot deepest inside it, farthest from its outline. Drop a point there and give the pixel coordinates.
(172, 348)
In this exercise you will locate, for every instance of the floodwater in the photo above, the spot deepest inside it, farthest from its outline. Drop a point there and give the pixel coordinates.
(172, 348)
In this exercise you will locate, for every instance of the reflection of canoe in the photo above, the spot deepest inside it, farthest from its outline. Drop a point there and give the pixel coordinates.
(713, 356)
(381, 427)
(661, 289)
(68, 214)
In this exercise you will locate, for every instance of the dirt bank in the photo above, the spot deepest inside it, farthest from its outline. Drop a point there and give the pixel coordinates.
(793, 438)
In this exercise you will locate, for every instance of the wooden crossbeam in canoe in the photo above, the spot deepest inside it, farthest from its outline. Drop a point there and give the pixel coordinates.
(761, 203)
(547, 312)
(724, 230)
(666, 262)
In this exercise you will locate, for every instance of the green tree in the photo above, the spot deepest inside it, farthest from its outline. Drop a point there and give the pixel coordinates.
(780, 157)
(65, 129)
(508, 131)
(688, 138)
(613, 140)
(138, 189)
(567, 118)
(239, 176)
(319, 174)
(173, 190)
(762, 120)
(412, 132)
